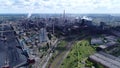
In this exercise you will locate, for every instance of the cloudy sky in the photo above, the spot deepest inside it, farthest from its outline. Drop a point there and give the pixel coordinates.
(57, 6)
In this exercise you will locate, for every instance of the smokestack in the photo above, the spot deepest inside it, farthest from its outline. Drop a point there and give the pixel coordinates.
(64, 14)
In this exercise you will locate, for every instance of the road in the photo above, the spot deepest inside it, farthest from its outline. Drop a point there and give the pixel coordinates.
(9, 51)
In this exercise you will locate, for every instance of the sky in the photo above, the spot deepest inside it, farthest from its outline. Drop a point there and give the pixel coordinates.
(58, 6)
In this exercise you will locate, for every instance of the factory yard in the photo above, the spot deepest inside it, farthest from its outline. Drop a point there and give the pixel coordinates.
(56, 42)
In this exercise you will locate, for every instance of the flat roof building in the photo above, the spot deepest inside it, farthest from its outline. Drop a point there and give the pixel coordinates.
(106, 60)
(98, 41)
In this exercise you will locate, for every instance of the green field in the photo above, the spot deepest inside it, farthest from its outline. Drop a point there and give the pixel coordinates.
(77, 58)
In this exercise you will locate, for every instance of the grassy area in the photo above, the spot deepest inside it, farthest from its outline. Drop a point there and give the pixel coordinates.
(61, 46)
(77, 58)
(58, 53)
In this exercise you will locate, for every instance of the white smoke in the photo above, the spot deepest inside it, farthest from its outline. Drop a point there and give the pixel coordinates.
(86, 18)
(30, 11)
(31, 8)
(29, 15)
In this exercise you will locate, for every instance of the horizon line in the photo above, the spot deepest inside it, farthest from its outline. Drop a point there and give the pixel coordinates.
(60, 13)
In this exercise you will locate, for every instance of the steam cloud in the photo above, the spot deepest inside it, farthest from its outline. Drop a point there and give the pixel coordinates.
(87, 18)
(31, 8)
(29, 14)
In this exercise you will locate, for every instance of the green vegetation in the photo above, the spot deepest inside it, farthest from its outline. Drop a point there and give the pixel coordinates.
(49, 36)
(61, 46)
(97, 65)
(118, 40)
(77, 58)
(58, 53)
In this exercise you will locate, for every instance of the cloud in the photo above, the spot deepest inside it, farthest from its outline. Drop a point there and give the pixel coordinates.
(71, 6)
